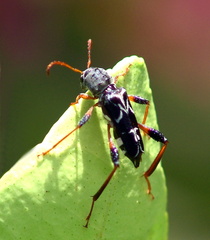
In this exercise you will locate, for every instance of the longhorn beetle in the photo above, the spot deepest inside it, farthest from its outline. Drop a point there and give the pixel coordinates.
(117, 110)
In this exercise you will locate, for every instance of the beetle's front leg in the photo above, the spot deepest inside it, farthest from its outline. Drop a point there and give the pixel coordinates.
(84, 119)
(83, 96)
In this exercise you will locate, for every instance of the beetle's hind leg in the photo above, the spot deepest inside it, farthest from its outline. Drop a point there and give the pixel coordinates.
(159, 137)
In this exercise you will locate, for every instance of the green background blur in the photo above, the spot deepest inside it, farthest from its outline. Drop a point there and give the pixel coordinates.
(174, 39)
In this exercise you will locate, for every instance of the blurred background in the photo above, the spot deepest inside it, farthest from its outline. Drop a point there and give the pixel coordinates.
(174, 39)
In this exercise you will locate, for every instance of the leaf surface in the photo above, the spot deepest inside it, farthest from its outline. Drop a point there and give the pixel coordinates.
(48, 197)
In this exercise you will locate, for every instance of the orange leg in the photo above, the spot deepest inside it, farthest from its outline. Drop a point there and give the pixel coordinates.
(141, 100)
(84, 119)
(115, 160)
(121, 74)
(159, 137)
(83, 96)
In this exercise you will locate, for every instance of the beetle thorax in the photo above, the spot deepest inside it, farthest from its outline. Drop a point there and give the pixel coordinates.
(96, 80)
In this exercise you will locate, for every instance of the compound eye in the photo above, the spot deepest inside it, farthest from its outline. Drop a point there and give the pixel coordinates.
(84, 79)
(82, 83)
(81, 79)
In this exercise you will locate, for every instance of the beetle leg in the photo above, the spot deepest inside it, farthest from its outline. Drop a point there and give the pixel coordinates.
(141, 100)
(115, 159)
(83, 96)
(84, 119)
(122, 74)
(159, 137)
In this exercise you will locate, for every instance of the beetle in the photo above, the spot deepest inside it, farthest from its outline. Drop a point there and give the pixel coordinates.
(117, 110)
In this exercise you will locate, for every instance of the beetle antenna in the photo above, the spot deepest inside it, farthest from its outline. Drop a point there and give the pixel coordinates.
(89, 45)
(62, 64)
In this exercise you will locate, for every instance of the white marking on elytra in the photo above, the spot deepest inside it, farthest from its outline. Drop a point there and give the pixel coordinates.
(120, 115)
(123, 106)
(135, 134)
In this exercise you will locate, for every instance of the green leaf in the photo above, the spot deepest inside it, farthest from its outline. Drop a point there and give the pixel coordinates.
(48, 197)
